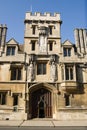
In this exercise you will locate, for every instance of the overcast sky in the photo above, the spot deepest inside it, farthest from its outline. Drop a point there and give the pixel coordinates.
(73, 15)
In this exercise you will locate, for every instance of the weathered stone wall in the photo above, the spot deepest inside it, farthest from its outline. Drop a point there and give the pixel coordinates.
(75, 88)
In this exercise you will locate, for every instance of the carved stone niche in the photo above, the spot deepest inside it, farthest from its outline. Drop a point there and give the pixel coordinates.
(52, 58)
(43, 30)
(32, 58)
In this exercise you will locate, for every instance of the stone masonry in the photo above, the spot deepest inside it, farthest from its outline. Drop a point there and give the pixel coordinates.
(43, 77)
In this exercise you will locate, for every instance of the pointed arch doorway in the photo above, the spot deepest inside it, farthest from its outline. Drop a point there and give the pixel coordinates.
(41, 103)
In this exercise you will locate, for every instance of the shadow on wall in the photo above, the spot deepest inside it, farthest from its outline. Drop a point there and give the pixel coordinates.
(79, 74)
(79, 78)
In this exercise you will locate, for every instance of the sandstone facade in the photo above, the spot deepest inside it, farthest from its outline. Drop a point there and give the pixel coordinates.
(43, 78)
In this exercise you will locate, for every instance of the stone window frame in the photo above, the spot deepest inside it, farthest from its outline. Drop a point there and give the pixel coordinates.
(66, 51)
(33, 45)
(67, 99)
(50, 45)
(50, 29)
(33, 29)
(3, 95)
(69, 73)
(11, 51)
(16, 71)
(16, 96)
(15, 99)
(41, 67)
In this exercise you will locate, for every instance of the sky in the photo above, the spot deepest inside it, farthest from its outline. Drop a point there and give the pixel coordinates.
(73, 14)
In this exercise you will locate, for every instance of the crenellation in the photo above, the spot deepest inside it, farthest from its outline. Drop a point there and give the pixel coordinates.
(43, 14)
(3, 26)
(46, 16)
(37, 14)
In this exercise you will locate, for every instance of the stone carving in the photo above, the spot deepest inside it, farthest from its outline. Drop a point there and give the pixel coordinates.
(43, 44)
(31, 72)
(53, 72)
(43, 33)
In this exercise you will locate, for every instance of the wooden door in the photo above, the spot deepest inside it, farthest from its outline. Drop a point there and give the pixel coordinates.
(41, 101)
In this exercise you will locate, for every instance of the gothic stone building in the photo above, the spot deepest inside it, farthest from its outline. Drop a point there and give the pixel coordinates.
(43, 78)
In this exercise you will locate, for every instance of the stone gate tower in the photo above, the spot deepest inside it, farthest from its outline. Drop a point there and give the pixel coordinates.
(42, 44)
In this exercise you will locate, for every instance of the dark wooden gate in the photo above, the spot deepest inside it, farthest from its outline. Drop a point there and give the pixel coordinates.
(41, 102)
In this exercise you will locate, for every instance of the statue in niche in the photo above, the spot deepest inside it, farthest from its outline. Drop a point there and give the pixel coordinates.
(43, 43)
(53, 72)
(43, 39)
(31, 72)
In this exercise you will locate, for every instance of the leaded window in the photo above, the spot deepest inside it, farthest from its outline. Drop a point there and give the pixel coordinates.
(66, 52)
(10, 51)
(16, 73)
(41, 68)
(3, 98)
(33, 45)
(15, 99)
(69, 72)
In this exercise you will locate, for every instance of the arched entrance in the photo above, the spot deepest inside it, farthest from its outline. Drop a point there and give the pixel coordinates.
(41, 103)
(41, 109)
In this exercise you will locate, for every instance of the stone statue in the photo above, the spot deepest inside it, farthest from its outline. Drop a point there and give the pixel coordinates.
(31, 72)
(43, 44)
(53, 72)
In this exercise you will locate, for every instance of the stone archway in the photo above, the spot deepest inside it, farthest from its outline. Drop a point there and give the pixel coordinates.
(40, 105)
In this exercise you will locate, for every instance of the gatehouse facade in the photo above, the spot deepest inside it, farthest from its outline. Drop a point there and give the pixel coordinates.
(43, 77)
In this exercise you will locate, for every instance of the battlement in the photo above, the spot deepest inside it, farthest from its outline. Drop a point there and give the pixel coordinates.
(45, 17)
(3, 26)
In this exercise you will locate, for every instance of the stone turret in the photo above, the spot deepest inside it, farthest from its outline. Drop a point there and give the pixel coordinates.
(81, 40)
(85, 39)
(3, 31)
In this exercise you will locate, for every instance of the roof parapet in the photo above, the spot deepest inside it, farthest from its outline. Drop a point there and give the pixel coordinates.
(3, 26)
(40, 16)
